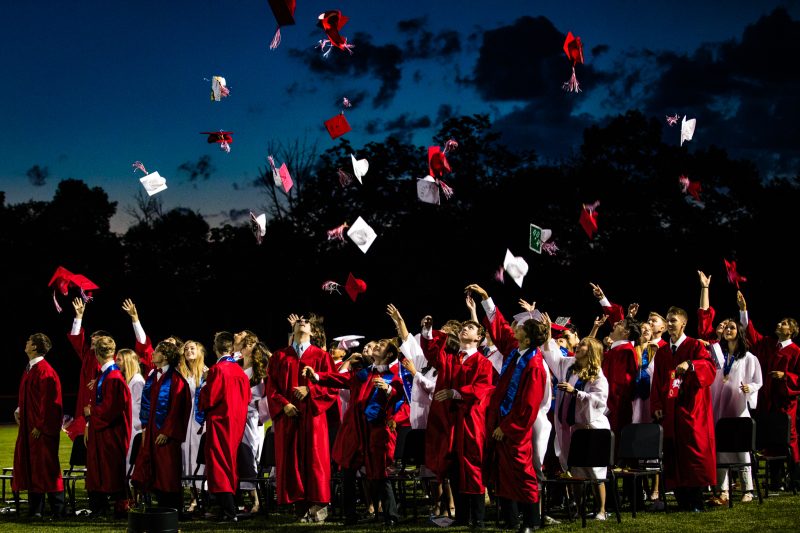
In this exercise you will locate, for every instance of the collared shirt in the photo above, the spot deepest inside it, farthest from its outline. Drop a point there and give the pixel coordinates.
(785, 343)
(34, 361)
(300, 348)
(161, 371)
(106, 365)
(620, 343)
(678, 343)
(469, 352)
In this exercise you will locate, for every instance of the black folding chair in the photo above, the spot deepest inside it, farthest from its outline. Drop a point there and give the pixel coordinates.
(410, 468)
(6, 476)
(265, 464)
(135, 446)
(196, 476)
(589, 448)
(737, 435)
(640, 455)
(76, 471)
(773, 432)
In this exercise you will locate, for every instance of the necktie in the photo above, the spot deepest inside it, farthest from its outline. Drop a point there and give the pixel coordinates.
(28, 368)
(461, 356)
(158, 374)
(674, 348)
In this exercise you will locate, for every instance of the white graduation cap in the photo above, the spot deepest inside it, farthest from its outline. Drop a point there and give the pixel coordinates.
(521, 318)
(153, 183)
(218, 88)
(348, 341)
(259, 225)
(687, 129)
(360, 167)
(428, 190)
(362, 234)
(516, 267)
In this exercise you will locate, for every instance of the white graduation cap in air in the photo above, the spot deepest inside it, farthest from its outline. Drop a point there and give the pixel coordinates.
(153, 183)
(687, 129)
(348, 341)
(516, 267)
(362, 234)
(521, 318)
(428, 190)
(259, 225)
(360, 167)
(218, 88)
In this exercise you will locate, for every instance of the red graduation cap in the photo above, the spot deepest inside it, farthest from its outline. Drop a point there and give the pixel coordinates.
(354, 286)
(733, 276)
(284, 15)
(588, 219)
(691, 187)
(64, 279)
(574, 50)
(337, 126)
(437, 162)
(332, 23)
(218, 136)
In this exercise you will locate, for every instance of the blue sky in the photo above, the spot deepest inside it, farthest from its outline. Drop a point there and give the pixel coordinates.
(92, 86)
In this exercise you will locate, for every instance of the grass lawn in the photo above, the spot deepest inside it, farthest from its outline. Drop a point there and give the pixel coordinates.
(778, 513)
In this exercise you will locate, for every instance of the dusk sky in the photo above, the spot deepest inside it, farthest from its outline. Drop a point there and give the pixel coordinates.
(90, 87)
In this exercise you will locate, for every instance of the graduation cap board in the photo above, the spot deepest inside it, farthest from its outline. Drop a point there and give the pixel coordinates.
(259, 225)
(337, 126)
(348, 341)
(283, 10)
(516, 267)
(63, 279)
(354, 286)
(219, 89)
(362, 234)
(687, 129)
(360, 167)
(153, 183)
(428, 190)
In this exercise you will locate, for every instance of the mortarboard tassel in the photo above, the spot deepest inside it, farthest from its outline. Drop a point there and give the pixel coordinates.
(331, 287)
(55, 301)
(337, 233)
(446, 189)
(572, 85)
(276, 39)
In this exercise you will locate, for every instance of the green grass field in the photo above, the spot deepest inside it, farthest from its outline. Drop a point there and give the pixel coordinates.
(778, 513)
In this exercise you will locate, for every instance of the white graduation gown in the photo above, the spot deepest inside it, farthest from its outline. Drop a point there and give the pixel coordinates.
(191, 443)
(422, 385)
(136, 386)
(253, 430)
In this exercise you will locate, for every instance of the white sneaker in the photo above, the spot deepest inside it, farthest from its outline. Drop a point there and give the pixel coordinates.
(747, 497)
(600, 516)
(550, 521)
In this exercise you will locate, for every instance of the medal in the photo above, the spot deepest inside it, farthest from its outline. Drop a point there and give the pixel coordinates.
(725, 379)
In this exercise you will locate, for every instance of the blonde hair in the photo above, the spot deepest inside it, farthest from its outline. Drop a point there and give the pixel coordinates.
(104, 347)
(594, 359)
(129, 363)
(195, 367)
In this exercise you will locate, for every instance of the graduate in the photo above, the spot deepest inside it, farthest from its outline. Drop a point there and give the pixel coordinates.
(646, 348)
(581, 401)
(89, 367)
(298, 410)
(680, 400)
(463, 388)
(222, 404)
(254, 363)
(38, 415)
(367, 437)
(192, 367)
(166, 406)
(128, 363)
(621, 370)
(108, 433)
(520, 399)
(144, 347)
(780, 365)
(734, 393)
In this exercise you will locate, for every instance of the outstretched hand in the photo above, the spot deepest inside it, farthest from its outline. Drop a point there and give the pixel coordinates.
(470, 303)
(599, 321)
(80, 306)
(477, 289)
(740, 301)
(632, 310)
(529, 307)
(705, 281)
(597, 291)
(292, 319)
(394, 313)
(427, 322)
(129, 307)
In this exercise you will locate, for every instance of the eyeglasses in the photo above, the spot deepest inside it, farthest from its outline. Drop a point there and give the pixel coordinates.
(302, 321)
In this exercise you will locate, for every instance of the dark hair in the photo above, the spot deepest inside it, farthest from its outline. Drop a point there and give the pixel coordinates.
(678, 312)
(741, 340)
(318, 337)
(260, 358)
(536, 332)
(41, 342)
(481, 331)
(452, 344)
(171, 353)
(634, 329)
(391, 349)
(223, 342)
(178, 341)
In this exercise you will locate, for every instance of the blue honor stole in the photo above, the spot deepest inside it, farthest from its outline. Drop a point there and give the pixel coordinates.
(99, 394)
(642, 386)
(199, 415)
(373, 409)
(408, 381)
(162, 402)
(511, 392)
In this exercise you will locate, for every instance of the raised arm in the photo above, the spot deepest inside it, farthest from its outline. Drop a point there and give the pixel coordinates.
(399, 323)
(614, 311)
(495, 323)
(557, 363)
(754, 338)
(599, 321)
(144, 348)
(705, 313)
(76, 335)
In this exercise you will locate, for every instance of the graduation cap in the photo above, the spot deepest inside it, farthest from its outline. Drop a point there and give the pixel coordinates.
(428, 190)
(687, 129)
(347, 342)
(337, 126)
(284, 16)
(280, 176)
(223, 138)
(218, 89)
(360, 167)
(63, 279)
(733, 276)
(153, 183)
(574, 50)
(516, 267)
(354, 286)
(588, 219)
(332, 23)
(691, 187)
(561, 324)
(259, 225)
(521, 318)
(362, 234)
(537, 237)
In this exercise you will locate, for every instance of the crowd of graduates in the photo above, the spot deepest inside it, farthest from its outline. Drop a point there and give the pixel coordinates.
(489, 392)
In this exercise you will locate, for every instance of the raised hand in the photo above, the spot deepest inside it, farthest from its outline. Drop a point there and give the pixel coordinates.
(470, 304)
(394, 313)
(129, 307)
(80, 306)
(427, 322)
(597, 291)
(632, 310)
(599, 321)
(292, 319)
(705, 281)
(529, 307)
(477, 289)
(547, 323)
(740, 301)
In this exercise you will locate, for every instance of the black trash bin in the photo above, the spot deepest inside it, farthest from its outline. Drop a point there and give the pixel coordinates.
(153, 520)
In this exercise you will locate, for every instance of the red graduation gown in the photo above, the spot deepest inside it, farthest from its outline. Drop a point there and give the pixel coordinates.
(705, 324)
(615, 313)
(145, 353)
(620, 369)
(159, 468)
(302, 447)
(36, 465)
(90, 369)
(109, 436)
(358, 441)
(224, 398)
(689, 446)
(441, 416)
(473, 380)
(778, 395)
(510, 461)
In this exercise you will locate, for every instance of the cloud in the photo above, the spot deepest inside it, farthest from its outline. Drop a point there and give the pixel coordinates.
(445, 111)
(411, 25)
(237, 215)
(402, 126)
(202, 168)
(37, 175)
(382, 62)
